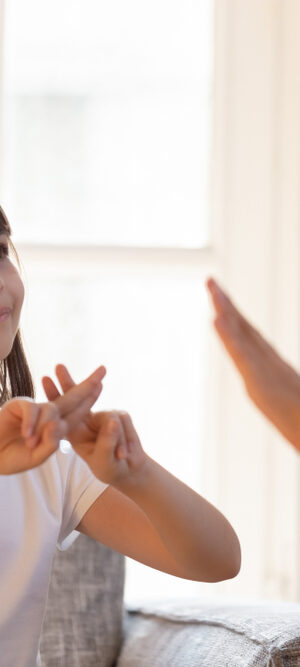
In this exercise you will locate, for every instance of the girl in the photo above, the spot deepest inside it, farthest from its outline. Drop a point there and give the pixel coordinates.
(45, 494)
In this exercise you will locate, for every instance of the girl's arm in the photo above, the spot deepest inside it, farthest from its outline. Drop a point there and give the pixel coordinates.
(197, 535)
(159, 521)
(147, 513)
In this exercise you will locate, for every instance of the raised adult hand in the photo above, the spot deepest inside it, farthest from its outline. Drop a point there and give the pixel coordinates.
(271, 383)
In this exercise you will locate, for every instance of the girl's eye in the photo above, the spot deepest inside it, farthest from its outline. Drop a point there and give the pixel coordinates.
(4, 251)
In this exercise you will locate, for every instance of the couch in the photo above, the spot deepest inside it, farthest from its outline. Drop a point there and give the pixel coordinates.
(87, 624)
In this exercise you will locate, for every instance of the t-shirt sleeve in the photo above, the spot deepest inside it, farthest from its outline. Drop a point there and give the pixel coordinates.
(80, 490)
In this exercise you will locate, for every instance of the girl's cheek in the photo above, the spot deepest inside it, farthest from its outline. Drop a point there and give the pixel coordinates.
(18, 295)
(18, 287)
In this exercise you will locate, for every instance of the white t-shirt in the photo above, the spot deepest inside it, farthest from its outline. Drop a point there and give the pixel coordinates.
(39, 510)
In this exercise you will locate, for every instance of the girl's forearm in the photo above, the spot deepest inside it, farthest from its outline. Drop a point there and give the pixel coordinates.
(195, 533)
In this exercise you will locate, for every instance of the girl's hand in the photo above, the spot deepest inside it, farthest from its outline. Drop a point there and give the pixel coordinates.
(50, 422)
(106, 441)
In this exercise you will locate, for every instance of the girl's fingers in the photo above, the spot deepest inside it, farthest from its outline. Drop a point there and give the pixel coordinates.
(112, 436)
(129, 430)
(66, 382)
(111, 433)
(86, 392)
(122, 449)
(75, 417)
(48, 412)
(77, 410)
(31, 413)
(65, 379)
(50, 388)
(53, 432)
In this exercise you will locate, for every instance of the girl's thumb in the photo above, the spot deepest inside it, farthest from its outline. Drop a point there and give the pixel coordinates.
(53, 433)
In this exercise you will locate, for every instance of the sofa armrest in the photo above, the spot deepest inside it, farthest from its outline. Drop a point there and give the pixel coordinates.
(211, 634)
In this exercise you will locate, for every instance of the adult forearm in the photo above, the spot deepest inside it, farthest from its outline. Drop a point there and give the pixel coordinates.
(195, 533)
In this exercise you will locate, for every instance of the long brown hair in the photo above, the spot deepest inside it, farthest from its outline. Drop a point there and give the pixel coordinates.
(15, 375)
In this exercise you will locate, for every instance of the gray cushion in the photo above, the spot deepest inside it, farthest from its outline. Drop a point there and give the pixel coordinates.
(210, 634)
(84, 614)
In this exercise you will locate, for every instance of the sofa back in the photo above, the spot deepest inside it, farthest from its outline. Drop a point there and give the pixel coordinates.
(84, 613)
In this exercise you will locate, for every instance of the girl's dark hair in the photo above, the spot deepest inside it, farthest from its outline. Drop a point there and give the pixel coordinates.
(15, 375)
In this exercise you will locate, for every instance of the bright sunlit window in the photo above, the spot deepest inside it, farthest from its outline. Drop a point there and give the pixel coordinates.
(105, 179)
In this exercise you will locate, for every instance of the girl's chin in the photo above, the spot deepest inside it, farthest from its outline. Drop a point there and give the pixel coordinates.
(5, 351)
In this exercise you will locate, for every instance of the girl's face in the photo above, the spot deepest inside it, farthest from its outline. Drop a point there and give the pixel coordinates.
(11, 295)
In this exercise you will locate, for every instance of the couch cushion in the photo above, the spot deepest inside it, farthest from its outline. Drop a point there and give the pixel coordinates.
(187, 633)
(84, 614)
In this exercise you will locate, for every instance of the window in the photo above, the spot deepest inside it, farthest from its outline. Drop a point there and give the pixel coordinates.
(108, 118)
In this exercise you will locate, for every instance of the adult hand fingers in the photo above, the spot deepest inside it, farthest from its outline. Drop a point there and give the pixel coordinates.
(226, 309)
(222, 303)
(233, 320)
